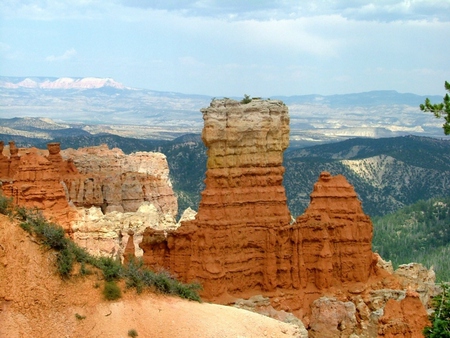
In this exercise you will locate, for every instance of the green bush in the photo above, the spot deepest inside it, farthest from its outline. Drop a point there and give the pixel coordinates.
(111, 268)
(112, 291)
(246, 99)
(84, 270)
(79, 317)
(134, 275)
(64, 262)
(6, 207)
(137, 276)
(21, 213)
(53, 236)
(440, 319)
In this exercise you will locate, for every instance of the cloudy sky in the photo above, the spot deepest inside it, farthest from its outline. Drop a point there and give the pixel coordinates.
(229, 48)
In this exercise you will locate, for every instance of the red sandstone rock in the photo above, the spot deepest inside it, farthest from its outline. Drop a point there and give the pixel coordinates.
(230, 246)
(405, 318)
(336, 235)
(332, 318)
(34, 182)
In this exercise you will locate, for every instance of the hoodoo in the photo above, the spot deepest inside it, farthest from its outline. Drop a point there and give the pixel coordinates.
(243, 241)
(230, 246)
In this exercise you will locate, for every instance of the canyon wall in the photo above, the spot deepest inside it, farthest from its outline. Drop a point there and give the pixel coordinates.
(243, 241)
(97, 194)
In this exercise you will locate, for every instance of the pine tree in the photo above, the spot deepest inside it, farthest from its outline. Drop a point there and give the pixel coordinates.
(440, 109)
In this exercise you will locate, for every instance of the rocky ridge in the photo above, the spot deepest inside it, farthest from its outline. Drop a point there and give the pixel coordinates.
(97, 194)
(243, 242)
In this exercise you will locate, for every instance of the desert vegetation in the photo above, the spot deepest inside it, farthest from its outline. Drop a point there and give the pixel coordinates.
(70, 257)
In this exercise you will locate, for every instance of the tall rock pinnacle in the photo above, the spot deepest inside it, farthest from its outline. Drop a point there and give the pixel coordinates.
(244, 171)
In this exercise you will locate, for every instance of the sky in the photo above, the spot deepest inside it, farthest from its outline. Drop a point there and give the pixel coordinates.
(231, 48)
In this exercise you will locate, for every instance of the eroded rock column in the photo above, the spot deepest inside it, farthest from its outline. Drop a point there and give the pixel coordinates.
(244, 170)
(230, 247)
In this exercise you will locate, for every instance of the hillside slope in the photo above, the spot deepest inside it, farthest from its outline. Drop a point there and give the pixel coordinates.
(35, 302)
(417, 233)
(387, 173)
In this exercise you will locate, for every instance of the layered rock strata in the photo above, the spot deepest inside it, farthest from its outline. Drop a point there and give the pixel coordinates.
(97, 194)
(34, 181)
(243, 242)
(114, 181)
(229, 246)
(118, 193)
(336, 235)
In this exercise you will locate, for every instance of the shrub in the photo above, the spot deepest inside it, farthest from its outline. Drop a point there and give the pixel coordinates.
(6, 205)
(246, 99)
(80, 254)
(84, 270)
(79, 317)
(112, 291)
(53, 236)
(21, 213)
(440, 319)
(111, 268)
(135, 274)
(132, 333)
(64, 262)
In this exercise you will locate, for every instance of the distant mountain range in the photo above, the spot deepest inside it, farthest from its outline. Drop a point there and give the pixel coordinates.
(103, 104)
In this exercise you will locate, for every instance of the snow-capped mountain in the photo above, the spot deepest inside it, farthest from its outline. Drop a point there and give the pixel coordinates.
(60, 83)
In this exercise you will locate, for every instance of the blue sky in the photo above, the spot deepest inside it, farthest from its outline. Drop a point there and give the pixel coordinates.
(229, 48)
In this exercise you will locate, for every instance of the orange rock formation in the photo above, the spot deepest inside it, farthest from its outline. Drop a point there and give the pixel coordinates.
(34, 181)
(96, 193)
(243, 242)
(229, 247)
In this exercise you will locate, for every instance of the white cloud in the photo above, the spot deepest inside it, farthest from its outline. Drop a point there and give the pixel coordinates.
(65, 56)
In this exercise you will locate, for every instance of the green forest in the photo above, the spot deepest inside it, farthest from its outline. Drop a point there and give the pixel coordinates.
(417, 233)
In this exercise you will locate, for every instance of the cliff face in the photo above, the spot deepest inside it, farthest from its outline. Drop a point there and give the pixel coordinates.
(96, 193)
(241, 238)
(114, 181)
(243, 242)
